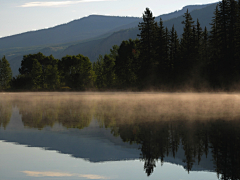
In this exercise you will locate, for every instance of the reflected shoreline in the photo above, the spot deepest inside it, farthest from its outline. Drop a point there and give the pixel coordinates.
(200, 125)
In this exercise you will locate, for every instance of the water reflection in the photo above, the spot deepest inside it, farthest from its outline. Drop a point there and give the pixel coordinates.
(5, 112)
(159, 124)
(59, 174)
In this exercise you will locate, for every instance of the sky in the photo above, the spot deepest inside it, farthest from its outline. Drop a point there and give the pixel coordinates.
(19, 16)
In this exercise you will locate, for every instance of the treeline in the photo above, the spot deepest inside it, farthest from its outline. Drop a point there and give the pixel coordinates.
(199, 59)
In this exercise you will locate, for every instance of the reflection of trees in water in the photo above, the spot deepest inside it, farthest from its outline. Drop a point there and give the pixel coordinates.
(158, 139)
(225, 145)
(68, 112)
(75, 115)
(159, 134)
(5, 113)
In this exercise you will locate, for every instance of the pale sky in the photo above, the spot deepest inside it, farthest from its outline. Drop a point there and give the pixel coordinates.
(19, 16)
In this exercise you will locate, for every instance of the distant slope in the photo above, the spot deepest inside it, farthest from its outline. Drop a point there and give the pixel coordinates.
(166, 17)
(93, 48)
(82, 29)
(85, 28)
(102, 44)
(204, 15)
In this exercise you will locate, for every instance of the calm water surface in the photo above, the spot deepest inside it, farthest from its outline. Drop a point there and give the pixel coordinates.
(119, 136)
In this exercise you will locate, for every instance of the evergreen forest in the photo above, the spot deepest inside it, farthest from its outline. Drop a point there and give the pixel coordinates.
(200, 59)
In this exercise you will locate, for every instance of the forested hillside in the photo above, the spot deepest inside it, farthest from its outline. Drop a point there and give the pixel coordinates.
(198, 59)
(93, 48)
(90, 47)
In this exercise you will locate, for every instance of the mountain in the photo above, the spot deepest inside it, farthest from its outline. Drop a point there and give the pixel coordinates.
(89, 44)
(82, 29)
(164, 17)
(93, 48)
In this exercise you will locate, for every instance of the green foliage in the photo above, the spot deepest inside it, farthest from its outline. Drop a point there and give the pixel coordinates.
(76, 72)
(27, 63)
(126, 67)
(43, 71)
(104, 69)
(23, 82)
(98, 69)
(52, 77)
(5, 74)
(5, 112)
(36, 74)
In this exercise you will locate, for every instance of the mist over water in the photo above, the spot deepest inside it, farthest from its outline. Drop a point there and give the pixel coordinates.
(201, 130)
(146, 106)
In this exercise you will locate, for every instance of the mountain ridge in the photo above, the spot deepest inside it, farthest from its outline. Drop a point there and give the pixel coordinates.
(101, 44)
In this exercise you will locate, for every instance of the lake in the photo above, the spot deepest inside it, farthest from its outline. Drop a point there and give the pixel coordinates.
(174, 136)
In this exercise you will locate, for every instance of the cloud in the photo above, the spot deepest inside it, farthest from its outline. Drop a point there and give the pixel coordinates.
(59, 174)
(57, 3)
(46, 174)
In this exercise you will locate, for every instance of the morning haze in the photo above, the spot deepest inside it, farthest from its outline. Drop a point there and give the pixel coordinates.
(119, 97)
(197, 131)
(125, 106)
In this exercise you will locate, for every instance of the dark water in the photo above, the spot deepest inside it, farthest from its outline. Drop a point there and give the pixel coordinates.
(127, 136)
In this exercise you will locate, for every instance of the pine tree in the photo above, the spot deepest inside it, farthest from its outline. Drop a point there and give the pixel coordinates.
(187, 47)
(237, 38)
(199, 35)
(173, 52)
(160, 48)
(214, 44)
(147, 48)
(204, 48)
(224, 62)
(167, 66)
(5, 74)
(232, 33)
(223, 43)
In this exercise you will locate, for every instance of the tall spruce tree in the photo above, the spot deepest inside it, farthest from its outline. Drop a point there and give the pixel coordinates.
(223, 45)
(160, 51)
(204, 52)
(199, 34)
(147, 48)
(223, 61)
(167, 66)
(237, 37)
(173, 52)
(187, 47)
(232, 35)
(5, 74)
